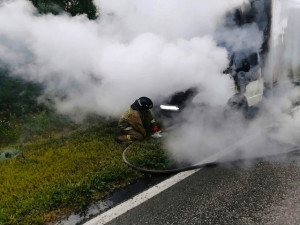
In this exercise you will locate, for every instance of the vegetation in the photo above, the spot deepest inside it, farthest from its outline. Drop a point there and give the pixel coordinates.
(18, 97)
(22, 117)
(50, 166)
(55, 176)
(74, 7)
(150, 155)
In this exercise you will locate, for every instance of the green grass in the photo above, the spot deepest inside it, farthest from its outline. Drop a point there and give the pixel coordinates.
(53, 177)
(22, 116)
(31, 126)
(149, 155)
(51, 167)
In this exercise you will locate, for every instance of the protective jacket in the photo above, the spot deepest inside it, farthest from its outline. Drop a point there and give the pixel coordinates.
(136, 124)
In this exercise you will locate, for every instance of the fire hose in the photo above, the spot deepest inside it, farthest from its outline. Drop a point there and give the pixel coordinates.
(209, 162)
(169, 171)
(291, 151)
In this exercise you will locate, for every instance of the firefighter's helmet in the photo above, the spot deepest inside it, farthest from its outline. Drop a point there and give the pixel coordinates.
(145, 103)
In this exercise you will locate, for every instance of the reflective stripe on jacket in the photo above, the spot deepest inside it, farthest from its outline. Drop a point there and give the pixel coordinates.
(134, 119)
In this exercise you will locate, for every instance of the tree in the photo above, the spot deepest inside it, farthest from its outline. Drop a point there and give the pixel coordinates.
(18, 97)
(74, 7)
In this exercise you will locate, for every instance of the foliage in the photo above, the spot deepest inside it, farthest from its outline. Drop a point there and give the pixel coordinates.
(61, 167)
(74, 7)
(57, 176)
(63, 173)
(150, 155)
(18, 97)
(22, 116)
(29, 127)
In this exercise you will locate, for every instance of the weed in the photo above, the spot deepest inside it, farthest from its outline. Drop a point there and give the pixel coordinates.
(47, 171)
(150, 155)
(68, 173)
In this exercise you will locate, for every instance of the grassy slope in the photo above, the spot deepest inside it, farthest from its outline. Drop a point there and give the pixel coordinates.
(21, 115)
(53, 177)
(61, 167)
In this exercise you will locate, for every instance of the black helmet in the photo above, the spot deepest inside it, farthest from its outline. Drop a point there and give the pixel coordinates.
(145, 103)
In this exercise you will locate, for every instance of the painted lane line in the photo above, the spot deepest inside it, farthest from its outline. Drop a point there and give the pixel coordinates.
(139, 199)
(142, 197)
(155, 190)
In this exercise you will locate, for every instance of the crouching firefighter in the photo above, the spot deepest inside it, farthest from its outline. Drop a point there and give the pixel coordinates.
(137, 123)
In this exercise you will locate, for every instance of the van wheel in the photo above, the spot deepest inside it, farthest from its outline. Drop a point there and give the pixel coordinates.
(238, 103)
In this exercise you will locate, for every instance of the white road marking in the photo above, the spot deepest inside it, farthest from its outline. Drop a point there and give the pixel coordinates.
(155, 190)
(139, 199)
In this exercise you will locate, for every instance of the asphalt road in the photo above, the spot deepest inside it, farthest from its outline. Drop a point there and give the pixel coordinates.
(265, 192)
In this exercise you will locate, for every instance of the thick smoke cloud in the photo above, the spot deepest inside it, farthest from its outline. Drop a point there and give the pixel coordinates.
(208, 131)
(135, 48)
(141, 48)
(276, 128)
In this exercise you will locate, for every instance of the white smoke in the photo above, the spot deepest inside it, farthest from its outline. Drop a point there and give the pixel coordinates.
(276, 128)
(136, 48)
(238, 38)
(207, 130)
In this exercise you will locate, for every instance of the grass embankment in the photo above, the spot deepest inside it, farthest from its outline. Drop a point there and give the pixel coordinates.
(49, 166)
(150, 155)
(44, 124)
(53, 177)
(22, 116)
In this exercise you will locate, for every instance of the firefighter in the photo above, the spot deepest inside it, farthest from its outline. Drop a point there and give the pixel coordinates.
(137, 122)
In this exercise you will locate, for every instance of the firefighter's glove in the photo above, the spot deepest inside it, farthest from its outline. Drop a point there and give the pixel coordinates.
(157, 135)
(155, 128)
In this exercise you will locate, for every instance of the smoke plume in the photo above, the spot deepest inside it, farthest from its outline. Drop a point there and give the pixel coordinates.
(137, 48)
(208, 131)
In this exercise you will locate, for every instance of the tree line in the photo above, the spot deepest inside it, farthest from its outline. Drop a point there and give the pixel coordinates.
(74, 7)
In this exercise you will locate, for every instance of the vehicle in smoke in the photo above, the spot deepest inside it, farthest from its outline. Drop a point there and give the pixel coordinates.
(244, 67)
(278, 21)
(281, 43)
(173, 105)
(245, 70)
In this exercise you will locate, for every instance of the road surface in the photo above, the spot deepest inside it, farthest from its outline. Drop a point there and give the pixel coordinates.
(265, 192)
